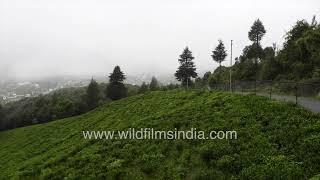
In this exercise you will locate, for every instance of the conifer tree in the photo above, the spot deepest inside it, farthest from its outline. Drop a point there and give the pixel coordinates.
(187, 69)
(154, 84)
(256, 32)
(116, 89)
(255, 35)
(93, 94)
(219, 54)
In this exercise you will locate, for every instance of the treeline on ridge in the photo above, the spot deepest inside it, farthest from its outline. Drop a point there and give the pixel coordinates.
(68, 102)
(64, 102)
(298, 60)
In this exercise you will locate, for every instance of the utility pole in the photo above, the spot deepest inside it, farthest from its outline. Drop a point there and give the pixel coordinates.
(231, 68)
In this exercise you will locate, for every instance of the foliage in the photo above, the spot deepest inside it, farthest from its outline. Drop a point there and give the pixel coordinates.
(59, 104)
(256, 32)
(219, 54)
(204, 81)
(295, 60)
(275, 141)
(116, 89)
(170, 86)
(143, 88)
(154, 85)
(299, 59)
(93, 94)
(187, 69)
(269, 64)
(220, 75)
(1, 117)
(117, 76)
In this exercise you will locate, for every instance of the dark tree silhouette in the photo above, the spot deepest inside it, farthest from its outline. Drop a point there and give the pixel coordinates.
(256, 32)
(154, 84)
(219, 54)
(93, 94)
(116, 89)
(1, 118)
(255, 35)
(187, 69)
(117, 75)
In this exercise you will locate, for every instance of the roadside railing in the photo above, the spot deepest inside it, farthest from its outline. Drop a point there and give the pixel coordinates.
(273, 88)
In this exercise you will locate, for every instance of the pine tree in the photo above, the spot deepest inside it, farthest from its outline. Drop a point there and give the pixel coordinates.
(93, 94)
(187, 69)
(219, 54)
(256, 32)
(154, 84)
(117, 76)
(116, 89)
(255, 35)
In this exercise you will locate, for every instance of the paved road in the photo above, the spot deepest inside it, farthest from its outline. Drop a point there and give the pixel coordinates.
(311, 104)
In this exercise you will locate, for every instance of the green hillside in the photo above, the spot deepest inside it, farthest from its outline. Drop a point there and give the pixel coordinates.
(275, 140)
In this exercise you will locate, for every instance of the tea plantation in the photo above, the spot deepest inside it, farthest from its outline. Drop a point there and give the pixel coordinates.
(275, 141)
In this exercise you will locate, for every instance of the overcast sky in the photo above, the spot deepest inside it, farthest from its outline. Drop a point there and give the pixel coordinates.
(89, 37)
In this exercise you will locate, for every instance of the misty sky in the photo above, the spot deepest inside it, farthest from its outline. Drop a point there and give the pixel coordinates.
(41, 38)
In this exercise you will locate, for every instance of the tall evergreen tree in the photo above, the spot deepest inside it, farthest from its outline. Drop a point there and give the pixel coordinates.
(116, 89)
(255, 35)
(93, 94)
(219, 54)
(187, 69)
(154, 85)
(256, 32)
(117, 75)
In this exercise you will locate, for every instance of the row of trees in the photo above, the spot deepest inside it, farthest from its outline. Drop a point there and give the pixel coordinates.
(154, 85)
(298, 60)
(115, 89)
(57, 105)
(64, 103)
(187, 69)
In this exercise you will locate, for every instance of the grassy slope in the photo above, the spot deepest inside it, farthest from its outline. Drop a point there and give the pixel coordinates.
(274, 140)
